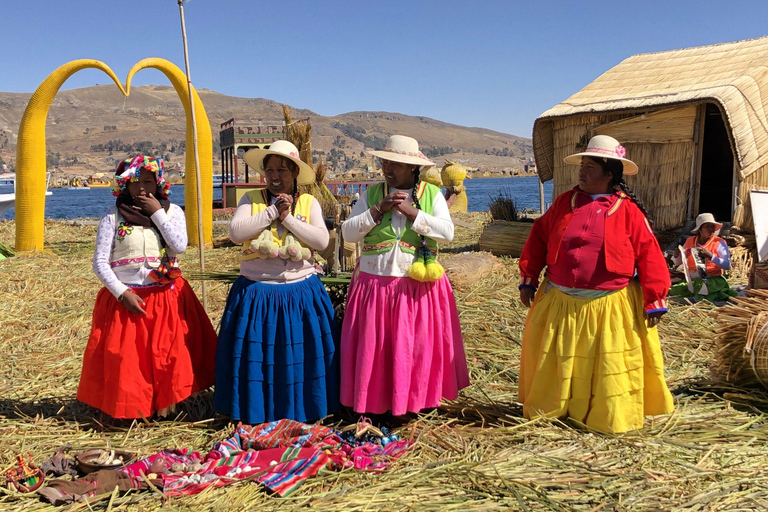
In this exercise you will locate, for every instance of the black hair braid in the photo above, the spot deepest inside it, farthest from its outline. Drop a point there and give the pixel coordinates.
(414, 194)
(623, 185)
(423, 250)
(616, 169)
(295, 196)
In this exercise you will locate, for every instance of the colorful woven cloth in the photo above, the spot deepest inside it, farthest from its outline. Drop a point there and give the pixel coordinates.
(161, 461)
(281, 470)
(368, 456)
(274, 434)
(279, 455)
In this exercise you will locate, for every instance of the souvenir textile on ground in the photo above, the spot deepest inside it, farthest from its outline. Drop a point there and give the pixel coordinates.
(280, 455)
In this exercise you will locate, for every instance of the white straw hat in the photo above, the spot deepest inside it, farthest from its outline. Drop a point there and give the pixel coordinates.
(604, 146)
(706, 218)
(255, 159)
(403, 149)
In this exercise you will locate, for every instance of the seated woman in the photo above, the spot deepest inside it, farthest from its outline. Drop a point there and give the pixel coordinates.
(712, 253)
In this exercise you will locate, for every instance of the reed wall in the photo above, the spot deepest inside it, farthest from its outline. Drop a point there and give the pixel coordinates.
(663, 181)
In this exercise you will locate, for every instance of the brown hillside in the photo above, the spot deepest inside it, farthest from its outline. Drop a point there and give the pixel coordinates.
(81, 118)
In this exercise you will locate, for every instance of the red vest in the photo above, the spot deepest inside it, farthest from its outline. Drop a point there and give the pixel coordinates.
(629, 245)
(711, 245)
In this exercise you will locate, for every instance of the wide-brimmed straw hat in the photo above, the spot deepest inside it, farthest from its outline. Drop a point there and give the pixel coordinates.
(405, 150)
(706, 218)
(285, 149)
(604, 146)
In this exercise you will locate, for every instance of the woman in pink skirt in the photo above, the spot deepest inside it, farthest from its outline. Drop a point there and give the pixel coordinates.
(401, 346)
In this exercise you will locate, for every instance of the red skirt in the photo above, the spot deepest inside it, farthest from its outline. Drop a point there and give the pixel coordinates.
(135, 364)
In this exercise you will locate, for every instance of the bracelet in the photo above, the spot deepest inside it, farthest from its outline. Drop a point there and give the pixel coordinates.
(376, 207)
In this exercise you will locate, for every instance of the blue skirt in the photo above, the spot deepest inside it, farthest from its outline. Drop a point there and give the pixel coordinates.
(277, 354)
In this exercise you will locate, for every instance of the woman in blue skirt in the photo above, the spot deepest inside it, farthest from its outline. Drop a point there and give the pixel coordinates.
(277, 352)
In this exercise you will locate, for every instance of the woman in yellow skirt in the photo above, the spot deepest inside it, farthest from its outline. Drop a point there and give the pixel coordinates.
(591, 350)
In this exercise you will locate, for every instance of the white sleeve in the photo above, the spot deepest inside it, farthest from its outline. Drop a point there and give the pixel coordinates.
(359, 222)
(173, 228)
(438, 226)
(723, 257)
(314, 234)
(101, 257)
(245, 226)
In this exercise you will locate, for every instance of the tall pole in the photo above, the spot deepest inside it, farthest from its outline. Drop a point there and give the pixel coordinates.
(201, 245)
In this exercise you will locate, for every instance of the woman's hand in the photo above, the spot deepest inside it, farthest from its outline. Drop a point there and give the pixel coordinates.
(283, 204)
(131, 302)
(654, 318)
(706, 252)
(391, 200)
(147, 204)
(526, 295)
(406, 208)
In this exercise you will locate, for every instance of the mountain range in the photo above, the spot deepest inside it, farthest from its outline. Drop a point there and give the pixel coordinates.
(89, 129)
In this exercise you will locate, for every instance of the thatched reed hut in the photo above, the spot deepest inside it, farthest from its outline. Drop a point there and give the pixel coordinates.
(694, 120)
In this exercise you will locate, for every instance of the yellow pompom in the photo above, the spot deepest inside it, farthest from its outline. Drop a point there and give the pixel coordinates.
(434, 271)
(417, 271)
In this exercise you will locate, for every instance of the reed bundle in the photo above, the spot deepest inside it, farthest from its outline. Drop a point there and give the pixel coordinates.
(736, 339)
(505, 238)
(742, 260)
(664, 178)
(300, 134)
(474, 453)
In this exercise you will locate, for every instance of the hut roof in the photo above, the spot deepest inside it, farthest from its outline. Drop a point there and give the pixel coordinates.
(732, 75)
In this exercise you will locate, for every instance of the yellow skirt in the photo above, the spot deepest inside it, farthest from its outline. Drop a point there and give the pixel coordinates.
(593, 360)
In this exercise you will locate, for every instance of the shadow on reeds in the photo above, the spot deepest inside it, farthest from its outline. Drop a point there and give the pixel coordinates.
(461, 249)
(197, 409)
(752, 400)
(475, 414)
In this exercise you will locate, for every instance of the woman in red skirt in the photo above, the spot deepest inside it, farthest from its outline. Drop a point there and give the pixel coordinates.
(151, 344)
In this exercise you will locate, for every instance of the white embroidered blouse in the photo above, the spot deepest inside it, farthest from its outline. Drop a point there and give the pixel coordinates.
(245, 226)
(173, 229)
(438, 227)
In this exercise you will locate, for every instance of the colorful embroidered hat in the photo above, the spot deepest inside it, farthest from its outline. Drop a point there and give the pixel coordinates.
(130, 168)
(400, 148)
(706, 218)
(603, 146)
(285, 149)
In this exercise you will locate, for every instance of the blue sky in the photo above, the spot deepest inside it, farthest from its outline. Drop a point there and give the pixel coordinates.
(493, 64)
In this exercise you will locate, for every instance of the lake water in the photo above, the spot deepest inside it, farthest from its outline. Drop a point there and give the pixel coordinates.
(73, 204)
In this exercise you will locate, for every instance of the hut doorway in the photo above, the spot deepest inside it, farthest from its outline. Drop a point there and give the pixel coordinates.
(716, 192)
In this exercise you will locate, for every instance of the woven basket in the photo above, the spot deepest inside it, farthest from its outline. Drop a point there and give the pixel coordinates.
(757, 346)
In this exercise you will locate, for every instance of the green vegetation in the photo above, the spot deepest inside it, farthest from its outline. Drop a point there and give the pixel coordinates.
(435, 151)
(358, 133)
(164, 149)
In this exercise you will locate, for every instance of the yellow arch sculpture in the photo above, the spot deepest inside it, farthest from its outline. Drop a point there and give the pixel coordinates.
(204, 149)
(31, 152)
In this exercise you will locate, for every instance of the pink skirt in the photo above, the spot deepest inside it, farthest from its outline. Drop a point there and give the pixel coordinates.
(401, 345)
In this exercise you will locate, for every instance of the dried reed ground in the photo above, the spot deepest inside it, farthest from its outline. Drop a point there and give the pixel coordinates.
(476, 453)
